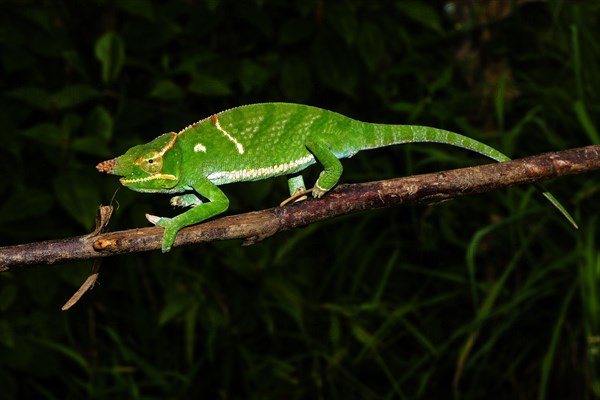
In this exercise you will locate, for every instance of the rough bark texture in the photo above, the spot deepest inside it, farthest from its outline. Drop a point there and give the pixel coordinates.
(258, 225)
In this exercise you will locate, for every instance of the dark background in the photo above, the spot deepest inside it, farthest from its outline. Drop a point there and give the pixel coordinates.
(492, 295)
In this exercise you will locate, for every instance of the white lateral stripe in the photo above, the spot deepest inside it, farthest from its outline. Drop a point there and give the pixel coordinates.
(238, 145)
(200, 147)
(232, 176)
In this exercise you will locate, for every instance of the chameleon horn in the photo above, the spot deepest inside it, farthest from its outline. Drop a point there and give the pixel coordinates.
(106, 166)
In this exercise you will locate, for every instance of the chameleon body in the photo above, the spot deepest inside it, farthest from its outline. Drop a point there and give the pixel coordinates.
(256, 142)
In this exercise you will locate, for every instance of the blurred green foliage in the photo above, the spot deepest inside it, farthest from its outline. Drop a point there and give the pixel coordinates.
(492, 295)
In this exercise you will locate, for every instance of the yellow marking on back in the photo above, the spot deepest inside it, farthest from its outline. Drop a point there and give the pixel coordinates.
(238, 145)
(169, 145)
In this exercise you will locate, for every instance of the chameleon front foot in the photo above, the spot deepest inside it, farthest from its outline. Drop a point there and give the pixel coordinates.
(186, 200)
(170, 230)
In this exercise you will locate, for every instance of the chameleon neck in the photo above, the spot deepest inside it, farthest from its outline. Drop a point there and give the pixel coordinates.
(381, 135)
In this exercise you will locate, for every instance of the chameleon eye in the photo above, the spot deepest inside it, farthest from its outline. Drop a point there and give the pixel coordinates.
(152, 163)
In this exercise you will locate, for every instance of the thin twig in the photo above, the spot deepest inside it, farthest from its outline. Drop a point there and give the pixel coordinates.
(88, 284)
(255, 226)
(102, 218)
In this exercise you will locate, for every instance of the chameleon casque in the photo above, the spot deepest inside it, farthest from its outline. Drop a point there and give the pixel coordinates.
(256, 142)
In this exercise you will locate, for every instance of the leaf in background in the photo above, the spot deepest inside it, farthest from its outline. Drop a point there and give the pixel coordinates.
(92, 145)
(248, 13)
(422, 13)
(191, 337)
(335, 67)
(371, 45)
(79, 196)
(195, 63)
(402, 106)
(70, 123)
(334, 329)
(7, 336)
(99, 124)
(212, 4)
(166, 90)
(110, 51)
(8, 293)
(295, 80)
(24, 204)
(442, 81)
(46, 133)
(295, 30)
(140, 8)
(65, 351)
(586, 122)
(177, 305)
(33, 96)
(363, 336)
(343, 20)
(287, 297)
(74, 61)
(252, 75)
(73, 95)
(209, 86)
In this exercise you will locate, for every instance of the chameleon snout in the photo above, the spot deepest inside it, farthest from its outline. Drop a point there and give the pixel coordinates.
(107, 166)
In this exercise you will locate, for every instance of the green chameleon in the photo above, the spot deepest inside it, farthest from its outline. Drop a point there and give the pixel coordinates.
(256, 142)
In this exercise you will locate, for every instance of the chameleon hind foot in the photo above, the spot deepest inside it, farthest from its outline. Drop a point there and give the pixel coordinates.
(186, 200)
(318, 191)
(300, 195)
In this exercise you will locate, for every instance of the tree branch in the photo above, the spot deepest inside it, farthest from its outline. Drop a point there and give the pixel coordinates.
(258, 225)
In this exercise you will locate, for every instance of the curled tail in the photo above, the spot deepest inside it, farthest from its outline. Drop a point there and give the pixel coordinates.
(381, 135)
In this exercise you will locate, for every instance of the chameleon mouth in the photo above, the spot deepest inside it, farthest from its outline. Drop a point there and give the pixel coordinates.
(149, 178)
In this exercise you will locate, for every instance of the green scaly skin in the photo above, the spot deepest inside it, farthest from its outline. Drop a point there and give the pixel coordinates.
(256, 142)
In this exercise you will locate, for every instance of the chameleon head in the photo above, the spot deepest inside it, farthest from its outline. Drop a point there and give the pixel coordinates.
(151, 167)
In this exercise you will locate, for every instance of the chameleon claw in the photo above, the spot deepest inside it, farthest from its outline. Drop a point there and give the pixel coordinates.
(163, 222)
(153, 219)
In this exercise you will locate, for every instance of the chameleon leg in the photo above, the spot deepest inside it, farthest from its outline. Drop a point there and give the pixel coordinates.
(217, 204)
(296, 184)
(332, 168)
(297, 190)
